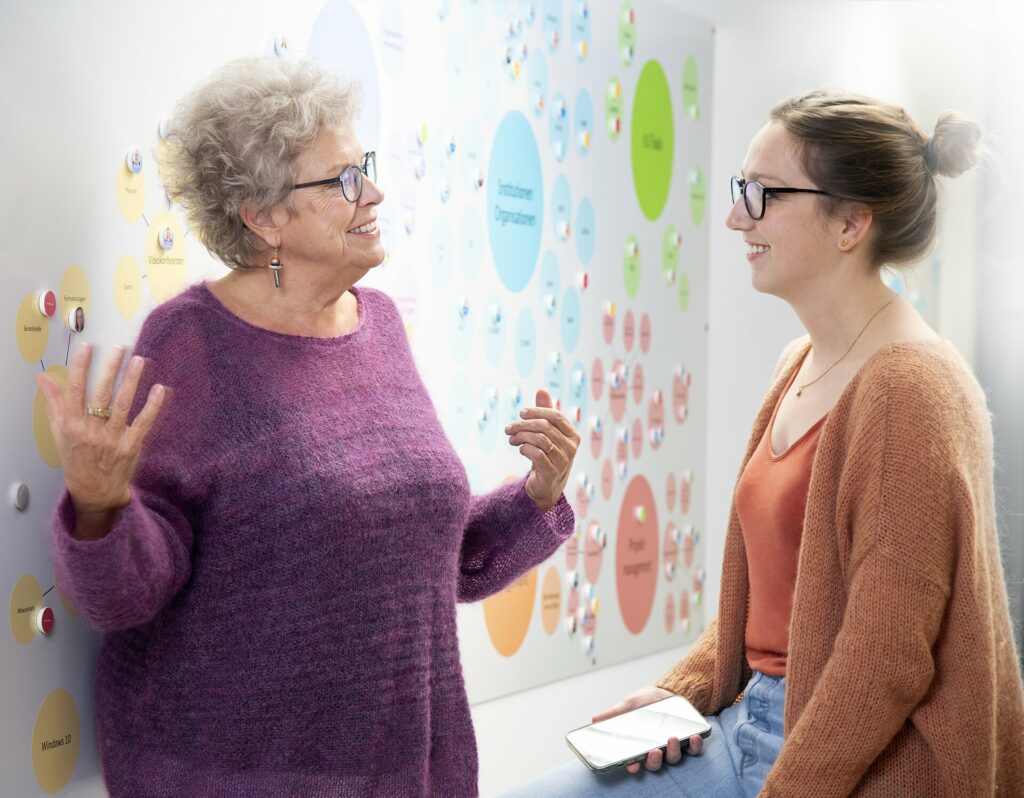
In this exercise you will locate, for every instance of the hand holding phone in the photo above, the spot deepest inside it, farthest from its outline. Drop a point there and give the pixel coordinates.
(641, 733)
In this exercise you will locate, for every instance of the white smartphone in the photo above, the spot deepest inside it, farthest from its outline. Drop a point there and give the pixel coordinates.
(628, 737)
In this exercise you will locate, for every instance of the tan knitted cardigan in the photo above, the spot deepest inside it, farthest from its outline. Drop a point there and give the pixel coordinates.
(902, 677)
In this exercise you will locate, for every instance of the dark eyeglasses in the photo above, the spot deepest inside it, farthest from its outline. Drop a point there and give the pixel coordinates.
(755, 195)
(351, 178)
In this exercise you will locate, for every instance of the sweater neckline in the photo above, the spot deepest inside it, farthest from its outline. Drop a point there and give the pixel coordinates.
(362, 311)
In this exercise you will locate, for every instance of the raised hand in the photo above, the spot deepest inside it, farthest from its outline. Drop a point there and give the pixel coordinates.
(98, 448)
(548, 440)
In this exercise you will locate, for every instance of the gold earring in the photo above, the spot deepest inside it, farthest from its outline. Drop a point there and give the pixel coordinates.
(275, 267)
(844, 243)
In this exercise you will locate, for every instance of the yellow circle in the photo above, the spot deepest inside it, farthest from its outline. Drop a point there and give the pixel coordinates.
(131, 193)
(507, 614)
(127, 287)
(74, 291)
(165, 268)
(55, 740)
(45, 443)
(32, 329)
(551, 600)
(26, 601)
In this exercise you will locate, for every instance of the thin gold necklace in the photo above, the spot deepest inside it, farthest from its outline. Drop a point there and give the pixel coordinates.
(803, 385)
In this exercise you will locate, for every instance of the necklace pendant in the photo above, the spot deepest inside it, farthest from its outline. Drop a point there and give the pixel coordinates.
(799, 392)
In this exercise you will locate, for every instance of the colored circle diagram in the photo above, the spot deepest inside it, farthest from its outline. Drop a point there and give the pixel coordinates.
(652, 140)
(515, 201)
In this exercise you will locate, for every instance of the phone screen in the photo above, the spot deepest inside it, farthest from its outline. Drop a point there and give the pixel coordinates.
(624, 738)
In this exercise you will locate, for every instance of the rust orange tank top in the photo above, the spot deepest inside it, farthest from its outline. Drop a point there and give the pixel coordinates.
(770, 501)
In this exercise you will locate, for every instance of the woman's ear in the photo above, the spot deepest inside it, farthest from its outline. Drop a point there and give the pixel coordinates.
(263, 223)
(854, 223)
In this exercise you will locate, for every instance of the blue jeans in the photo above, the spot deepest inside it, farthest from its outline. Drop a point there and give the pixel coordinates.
(745, 740)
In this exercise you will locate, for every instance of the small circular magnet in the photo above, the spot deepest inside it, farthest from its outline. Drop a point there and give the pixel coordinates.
(43, 620)
(133, 160)
(18, 496)
(47, 303)
(166, 238)
(76, 319)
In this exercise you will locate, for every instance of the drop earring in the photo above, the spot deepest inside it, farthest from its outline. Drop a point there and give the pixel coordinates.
(275, 266)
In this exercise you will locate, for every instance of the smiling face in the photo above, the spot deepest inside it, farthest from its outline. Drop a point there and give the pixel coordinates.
(791, 248)
(325, 230)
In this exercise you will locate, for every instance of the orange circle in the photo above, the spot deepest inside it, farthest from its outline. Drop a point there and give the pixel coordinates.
(551, 600)
(507, 614)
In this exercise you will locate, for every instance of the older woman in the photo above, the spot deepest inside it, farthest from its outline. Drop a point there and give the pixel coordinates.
(265, 518)
(863, 643)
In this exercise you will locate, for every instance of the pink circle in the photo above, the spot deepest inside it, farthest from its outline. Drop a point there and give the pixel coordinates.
(582, 502)
(628, 330)
(671, 551)
(638, 383)
(617, 395)
(597, 379)
(689, 543)
(636, 555)
(607, 326)
(681, 395)
(596, 442)
(592, 554)
(573, 605)
(589, 623)
(670, 613)
(684, 495)
(684, 606)
(656, 421)
(638, 438)
(572, 550)
(645, 333)
(670, 492)
(698, 584)
(621, 451)
(607, 479)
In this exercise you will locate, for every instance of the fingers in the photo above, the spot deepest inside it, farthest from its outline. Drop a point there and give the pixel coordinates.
(541, 442)
(144, 420)
(551, 415)
(696, 745)
(654, 760)
(74, 390)
(122, 404)
(103, 391)
(673, 751)
(544, 399)
(53, 399)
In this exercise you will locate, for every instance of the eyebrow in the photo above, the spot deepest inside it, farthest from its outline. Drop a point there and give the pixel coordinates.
(342, 167)
(760, 177)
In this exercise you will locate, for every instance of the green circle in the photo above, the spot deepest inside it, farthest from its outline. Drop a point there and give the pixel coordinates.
(627, 33)
(684, 292)
(613, 108)
(652, 140)
(631, 266)
(698, 195)
(690, 88)
(670, 249)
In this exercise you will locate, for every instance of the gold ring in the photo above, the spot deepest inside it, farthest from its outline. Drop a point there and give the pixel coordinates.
(550, 449)
(99, 412)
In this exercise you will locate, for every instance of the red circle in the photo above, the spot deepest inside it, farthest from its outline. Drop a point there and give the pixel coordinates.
(46, 619)
(572, 550)
(607, 479)
(592, 554)
(638, 383)
(49, 303)
(671, 548)
(681, 396)
(684, 495)
(636, 555)
(670, 613)
(617, 396)
(628, 330)
(645, 333)
(670, 492)
(596, 442)
(596, 379)
(582, 502)
(638, 438)
(608, 326)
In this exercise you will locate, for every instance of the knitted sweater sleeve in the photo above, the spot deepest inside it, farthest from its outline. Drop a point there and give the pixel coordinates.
(909, 502)
(505, 536)
(693, 676)
(125, 578)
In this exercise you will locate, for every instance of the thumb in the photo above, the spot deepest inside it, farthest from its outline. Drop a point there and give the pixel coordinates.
(544, 399)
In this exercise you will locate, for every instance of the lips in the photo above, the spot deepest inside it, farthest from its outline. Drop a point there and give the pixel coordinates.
(369, 227)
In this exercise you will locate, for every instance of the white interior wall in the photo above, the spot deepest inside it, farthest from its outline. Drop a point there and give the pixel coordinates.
(927, 56)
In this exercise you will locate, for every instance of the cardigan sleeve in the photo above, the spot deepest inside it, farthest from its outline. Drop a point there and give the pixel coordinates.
(505, 536)
(911, 502)
(693, 677)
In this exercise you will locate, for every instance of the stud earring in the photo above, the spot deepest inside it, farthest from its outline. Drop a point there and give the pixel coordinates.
(275, 267)
(844, 243)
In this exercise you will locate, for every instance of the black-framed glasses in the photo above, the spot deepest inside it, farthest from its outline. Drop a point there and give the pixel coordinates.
(351, 178)
(755, 195)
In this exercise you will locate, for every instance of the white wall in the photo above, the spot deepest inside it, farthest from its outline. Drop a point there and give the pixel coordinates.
(926, 56)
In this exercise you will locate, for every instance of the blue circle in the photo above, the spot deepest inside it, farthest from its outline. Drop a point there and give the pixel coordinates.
(471, 242)
(537, 84)
(442, 251)
(459, 417)
(513, 400)
(550, 282)
(487, 432)
(577, 390)
(580, 27)
(552, 23)
(585, 231)
(515, 201)
(493, 332)
(570, 319)
(340, 41)
(525, 343)
(561, 207)
(460, 328)
(584, 126)
(558, 127)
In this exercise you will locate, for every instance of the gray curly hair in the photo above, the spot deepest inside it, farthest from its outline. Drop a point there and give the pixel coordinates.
(236, 138)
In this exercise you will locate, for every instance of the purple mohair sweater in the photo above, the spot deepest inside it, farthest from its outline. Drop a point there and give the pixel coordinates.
(278, 599)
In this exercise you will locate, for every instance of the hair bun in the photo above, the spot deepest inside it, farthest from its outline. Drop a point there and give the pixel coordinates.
(954, 144)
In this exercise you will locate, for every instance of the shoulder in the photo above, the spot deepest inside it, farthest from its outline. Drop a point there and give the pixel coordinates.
(381, 310)
(176, 321)
(791, 355)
